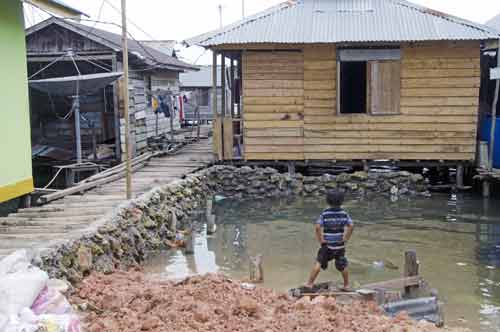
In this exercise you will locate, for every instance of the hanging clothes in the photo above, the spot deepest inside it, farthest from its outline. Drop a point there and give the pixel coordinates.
(163, 106)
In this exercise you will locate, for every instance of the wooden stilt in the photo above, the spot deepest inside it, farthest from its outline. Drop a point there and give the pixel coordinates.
(211, 226)
(486, 189)
(189, 241)
(460, 176)
(210, 204)
(291, 167)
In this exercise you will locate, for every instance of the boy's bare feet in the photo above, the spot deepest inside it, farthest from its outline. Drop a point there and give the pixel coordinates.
(346, 289)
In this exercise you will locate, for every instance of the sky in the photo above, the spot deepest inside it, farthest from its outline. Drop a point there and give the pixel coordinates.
(181, 19)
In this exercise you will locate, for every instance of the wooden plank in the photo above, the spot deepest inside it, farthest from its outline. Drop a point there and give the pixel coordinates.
(394, 134)
(384, 141)
(273, 124)
(440, 92)
(273, 68)
(320, 64)
(392, 126)
(384, 87)
(274, 76)
(274, 92)
(274, 132)
(274, 101)
(368, 119)
(438, 111)
(273, 84)
(439, 101)
(272, 116)
(274, 141)
(388, 155)
(228, 138)
(417, 52)
(274, 148)
(324, 103)
(217, 138)
(456, 82)
(319, 75)
(442, 63)
(319, 111)
(395, 283)
(439, 73)
(319, 52)
(387, 148)
(273, 56)
(274, 156)
(273, 108)
(320, 95)
(320, 85)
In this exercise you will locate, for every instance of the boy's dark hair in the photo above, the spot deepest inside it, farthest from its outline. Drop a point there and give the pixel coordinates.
(335, 198)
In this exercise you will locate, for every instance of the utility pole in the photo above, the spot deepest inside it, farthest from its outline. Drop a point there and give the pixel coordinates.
(220, 15)
(243, 9)
(128, 169)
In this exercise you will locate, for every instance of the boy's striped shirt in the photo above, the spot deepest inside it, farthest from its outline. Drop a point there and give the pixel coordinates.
(333, 221)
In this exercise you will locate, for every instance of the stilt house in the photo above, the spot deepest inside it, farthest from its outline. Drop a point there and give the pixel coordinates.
(15, 148)
(349, 80)
(96, 51)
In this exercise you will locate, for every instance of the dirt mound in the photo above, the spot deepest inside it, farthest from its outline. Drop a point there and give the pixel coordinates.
(128, 301)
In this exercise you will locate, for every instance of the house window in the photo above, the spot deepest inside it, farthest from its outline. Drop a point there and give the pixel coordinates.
(353, 87)
(369, 81)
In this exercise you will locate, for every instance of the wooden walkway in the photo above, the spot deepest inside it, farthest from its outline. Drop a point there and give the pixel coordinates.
(38, 227)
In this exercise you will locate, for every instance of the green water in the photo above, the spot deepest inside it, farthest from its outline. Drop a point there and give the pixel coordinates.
(457, 240)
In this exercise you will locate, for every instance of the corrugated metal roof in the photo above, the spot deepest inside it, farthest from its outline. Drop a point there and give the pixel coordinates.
(165, 46)
(199, 79)
(494, 23)
(113, 40)
(337, 21)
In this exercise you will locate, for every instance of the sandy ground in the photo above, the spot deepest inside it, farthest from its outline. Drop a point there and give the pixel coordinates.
(129, 302)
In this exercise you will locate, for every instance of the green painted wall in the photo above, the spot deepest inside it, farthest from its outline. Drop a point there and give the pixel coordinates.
(15, 144)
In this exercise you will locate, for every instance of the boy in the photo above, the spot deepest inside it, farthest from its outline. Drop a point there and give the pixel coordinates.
(333, 229)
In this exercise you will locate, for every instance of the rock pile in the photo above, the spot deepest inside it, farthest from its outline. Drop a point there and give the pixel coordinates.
(127, 301)
(126, 236)
(268, 182)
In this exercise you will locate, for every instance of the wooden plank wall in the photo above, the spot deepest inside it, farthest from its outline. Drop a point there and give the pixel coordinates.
(289, 118)
(273, 91)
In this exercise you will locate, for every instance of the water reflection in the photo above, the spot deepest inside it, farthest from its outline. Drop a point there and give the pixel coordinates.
(457, 239)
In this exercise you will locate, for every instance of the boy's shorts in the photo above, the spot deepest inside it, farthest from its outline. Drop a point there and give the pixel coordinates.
(326, 255)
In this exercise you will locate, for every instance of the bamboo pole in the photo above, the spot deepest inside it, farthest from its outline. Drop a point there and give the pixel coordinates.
(128, 172)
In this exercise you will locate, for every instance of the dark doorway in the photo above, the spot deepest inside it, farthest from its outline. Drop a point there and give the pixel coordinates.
(353, 87)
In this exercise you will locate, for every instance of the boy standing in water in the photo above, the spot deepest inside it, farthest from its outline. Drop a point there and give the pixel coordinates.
(333, 229)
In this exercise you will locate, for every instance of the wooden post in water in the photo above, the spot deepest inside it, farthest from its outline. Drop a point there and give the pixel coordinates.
(189, 241)
(211, 226)
(256, 269)
(210, 204)
(411, 270)
(173, 224)
(460, 176)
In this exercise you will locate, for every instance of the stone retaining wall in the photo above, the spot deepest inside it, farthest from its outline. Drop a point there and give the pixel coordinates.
(124, 237)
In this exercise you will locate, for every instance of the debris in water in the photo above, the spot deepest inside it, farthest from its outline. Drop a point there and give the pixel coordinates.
(219, 198)
(462, 264)
(131, 303)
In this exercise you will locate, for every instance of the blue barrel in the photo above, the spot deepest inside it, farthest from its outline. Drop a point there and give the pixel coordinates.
(485, 136)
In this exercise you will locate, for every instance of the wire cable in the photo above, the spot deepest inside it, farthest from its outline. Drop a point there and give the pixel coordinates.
(91, 62)
(118, 10)
(47, 66)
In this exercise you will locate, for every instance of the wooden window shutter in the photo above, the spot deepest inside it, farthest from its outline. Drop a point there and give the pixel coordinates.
(384, 87)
